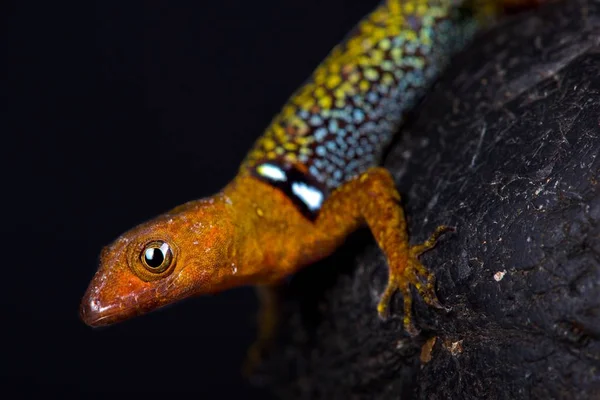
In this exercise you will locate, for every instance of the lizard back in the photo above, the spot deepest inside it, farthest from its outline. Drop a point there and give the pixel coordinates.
(339, 122)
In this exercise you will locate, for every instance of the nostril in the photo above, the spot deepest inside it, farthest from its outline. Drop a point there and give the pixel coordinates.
(86, 311)
(94, 312)
(90, 309)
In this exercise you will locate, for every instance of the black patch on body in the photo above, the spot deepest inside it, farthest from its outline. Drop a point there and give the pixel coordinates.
(300, 188)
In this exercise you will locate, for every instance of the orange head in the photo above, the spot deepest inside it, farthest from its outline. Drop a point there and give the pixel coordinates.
(147, 266)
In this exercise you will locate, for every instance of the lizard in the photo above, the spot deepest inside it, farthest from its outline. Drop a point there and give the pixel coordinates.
(310, 180)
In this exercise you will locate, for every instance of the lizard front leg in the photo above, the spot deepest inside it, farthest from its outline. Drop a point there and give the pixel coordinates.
(372, 198)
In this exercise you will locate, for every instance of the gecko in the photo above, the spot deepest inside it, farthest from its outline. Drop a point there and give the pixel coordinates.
(310, 180)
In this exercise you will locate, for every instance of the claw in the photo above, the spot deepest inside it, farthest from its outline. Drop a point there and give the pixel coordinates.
(414, 273)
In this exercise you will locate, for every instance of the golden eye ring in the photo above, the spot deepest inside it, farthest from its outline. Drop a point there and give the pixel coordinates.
(155, 260)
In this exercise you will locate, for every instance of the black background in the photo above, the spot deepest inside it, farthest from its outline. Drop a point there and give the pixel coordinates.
(112, 113)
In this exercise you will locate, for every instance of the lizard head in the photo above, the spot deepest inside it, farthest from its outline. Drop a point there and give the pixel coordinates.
(166, 259)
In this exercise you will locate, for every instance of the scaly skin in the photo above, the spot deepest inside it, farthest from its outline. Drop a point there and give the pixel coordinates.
(337, 124)
(310, 180)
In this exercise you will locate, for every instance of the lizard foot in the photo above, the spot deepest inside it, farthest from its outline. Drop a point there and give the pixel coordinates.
(416, 274)
(253, 359)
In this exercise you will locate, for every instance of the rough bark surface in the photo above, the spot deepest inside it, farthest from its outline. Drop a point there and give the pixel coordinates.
(506, 149)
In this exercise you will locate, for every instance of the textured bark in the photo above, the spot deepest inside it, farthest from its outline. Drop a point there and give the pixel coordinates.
(505, 148)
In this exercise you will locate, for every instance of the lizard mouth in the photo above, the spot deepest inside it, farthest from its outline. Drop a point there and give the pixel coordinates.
(90, 317)
(103, 305)
(100, 307)
(93, 313)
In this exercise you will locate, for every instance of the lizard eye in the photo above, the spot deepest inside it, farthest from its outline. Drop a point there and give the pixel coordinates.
(157, 256)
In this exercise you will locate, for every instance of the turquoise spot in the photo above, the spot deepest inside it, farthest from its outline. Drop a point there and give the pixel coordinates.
(358, 116)
(320, 134)
(333, 126)
(315, 120)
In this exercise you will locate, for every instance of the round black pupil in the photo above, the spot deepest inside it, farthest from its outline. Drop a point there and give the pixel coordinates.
(154, 257)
